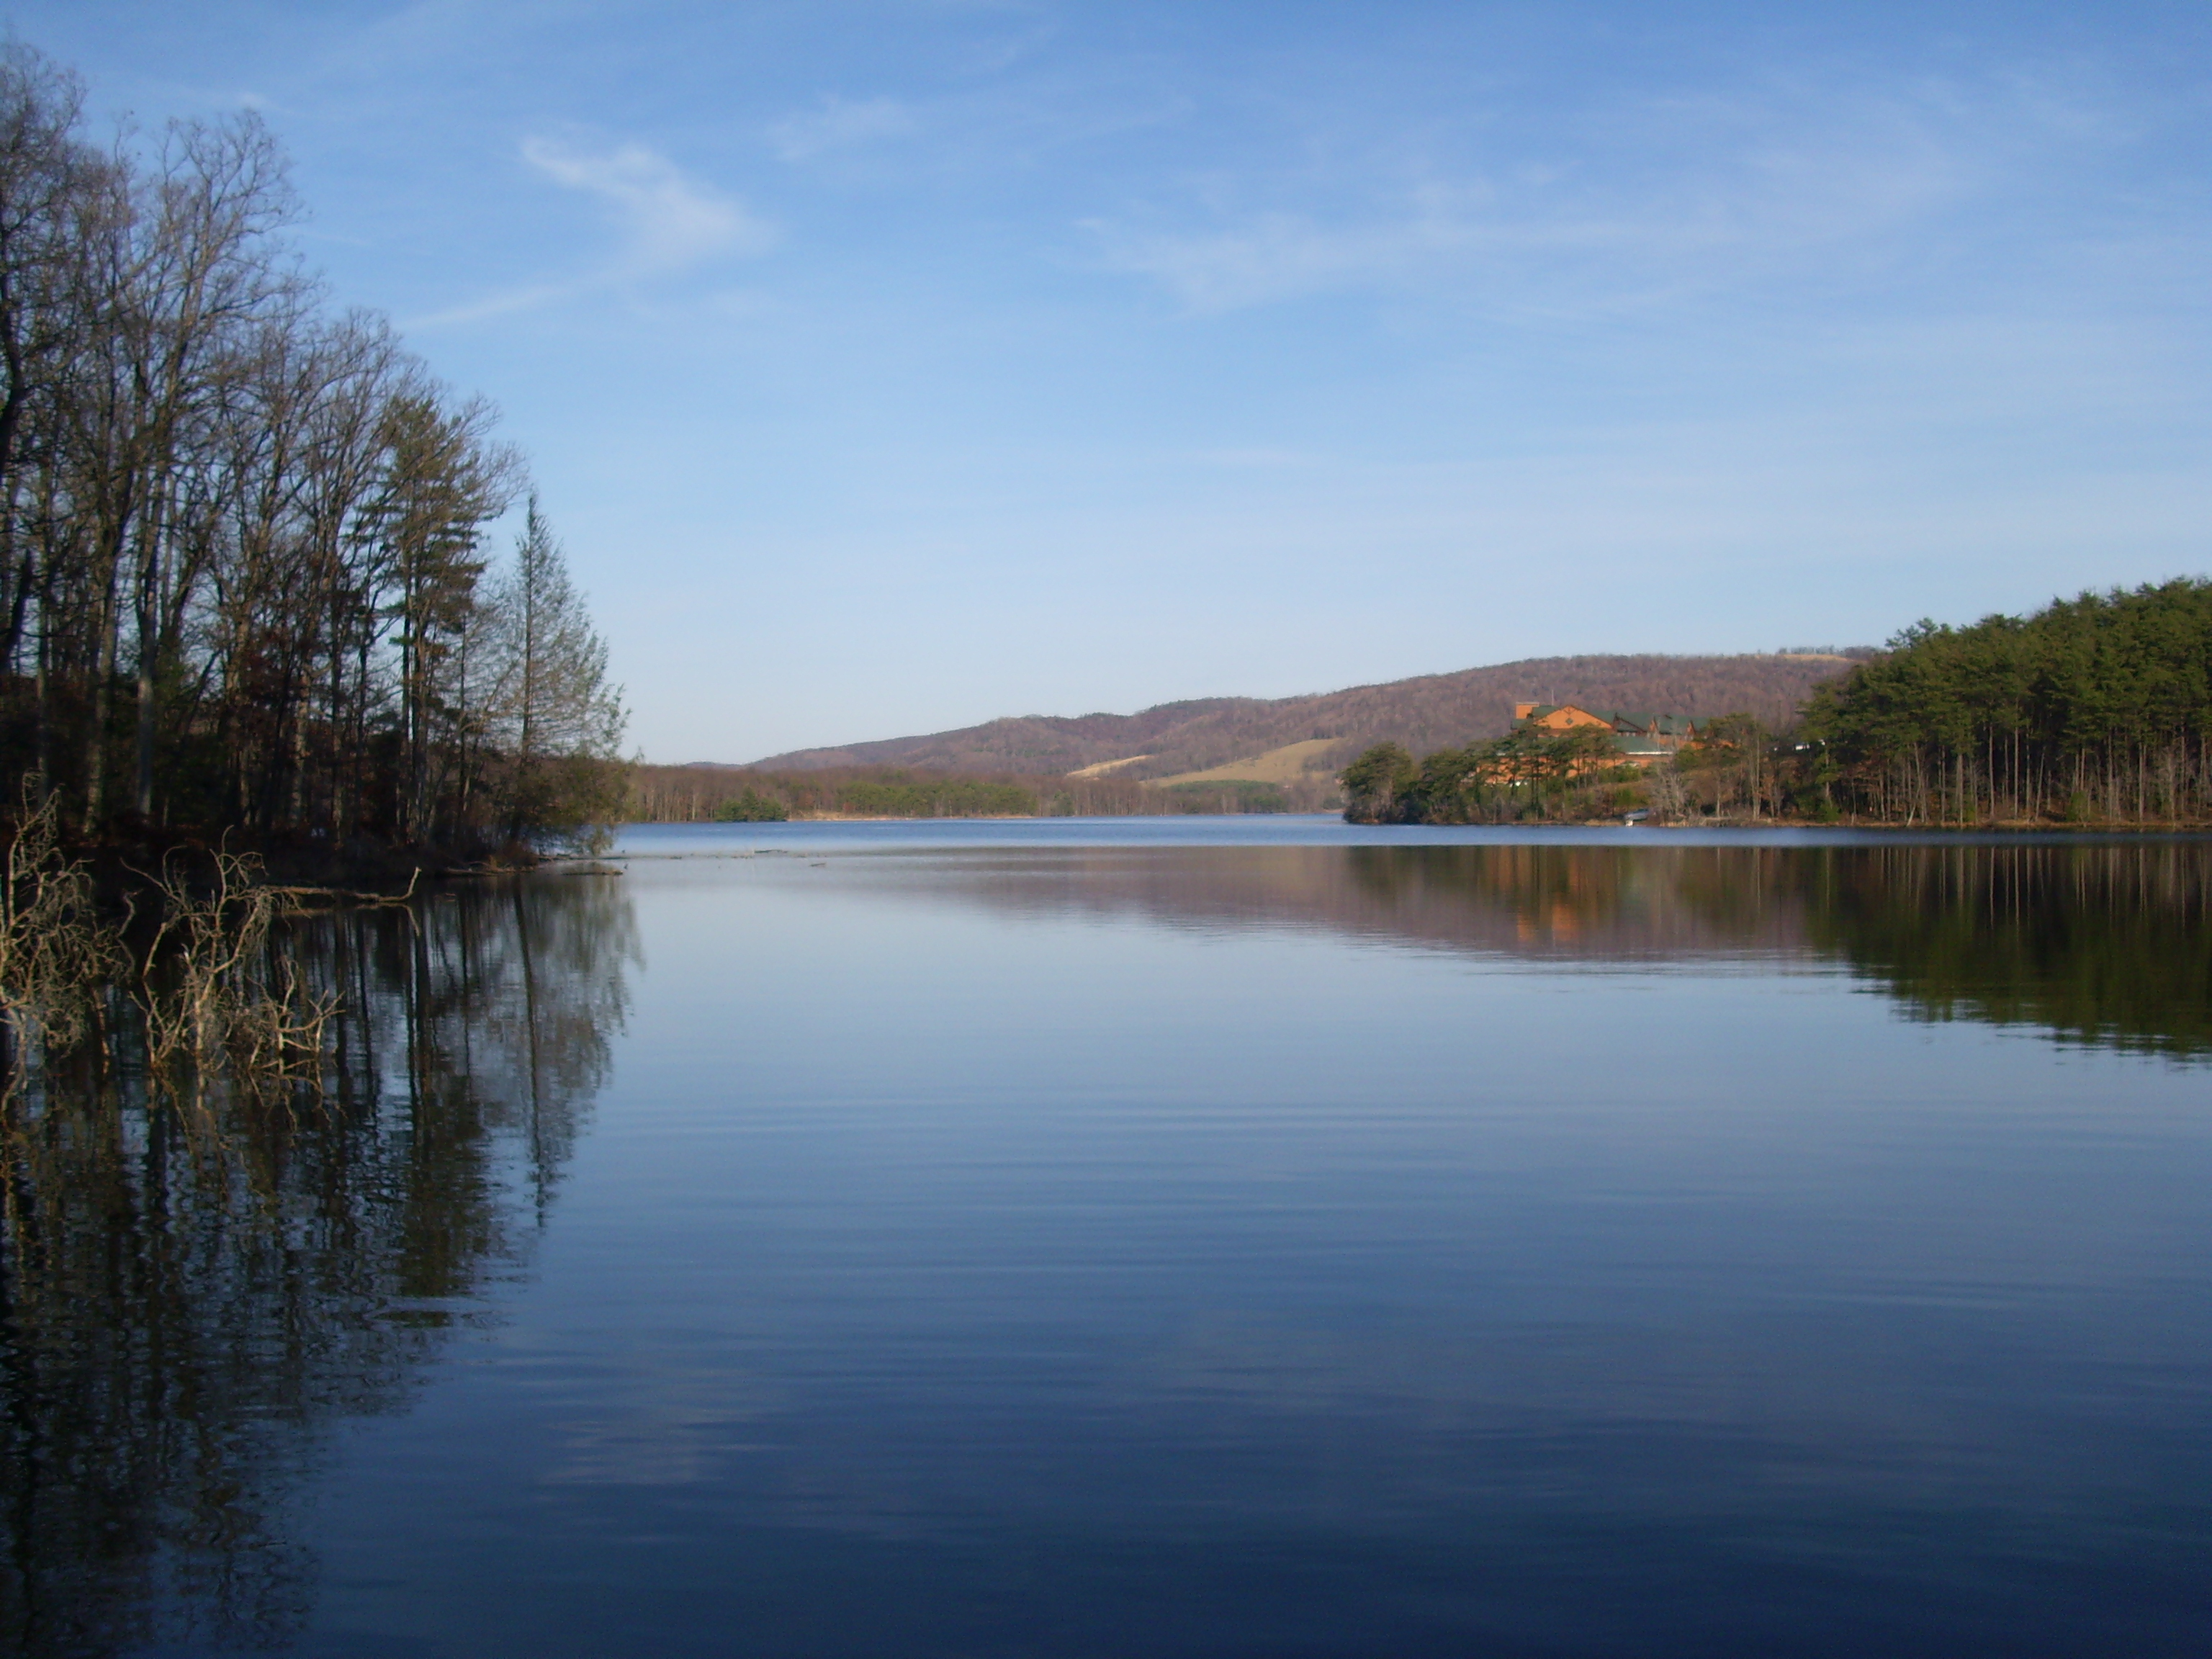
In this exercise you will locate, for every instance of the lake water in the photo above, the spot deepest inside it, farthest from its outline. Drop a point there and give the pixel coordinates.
(1224, 1237)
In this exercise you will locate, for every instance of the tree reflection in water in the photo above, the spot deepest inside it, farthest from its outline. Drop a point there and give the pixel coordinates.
(2099, 944)
(2092, 941)
(191, 1298)
(2105, 945)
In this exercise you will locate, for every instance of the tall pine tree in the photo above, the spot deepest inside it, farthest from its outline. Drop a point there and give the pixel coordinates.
(554, 718)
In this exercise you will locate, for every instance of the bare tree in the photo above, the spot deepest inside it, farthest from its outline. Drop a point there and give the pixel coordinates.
(242, 566)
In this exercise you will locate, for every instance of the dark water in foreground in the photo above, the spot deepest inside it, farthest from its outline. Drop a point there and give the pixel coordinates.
(1090, 1245)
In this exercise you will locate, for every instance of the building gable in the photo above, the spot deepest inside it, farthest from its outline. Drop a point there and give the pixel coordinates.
(1643, 738)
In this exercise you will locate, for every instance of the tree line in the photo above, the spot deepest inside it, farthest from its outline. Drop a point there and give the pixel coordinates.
(246, 580)
(708, 794)
(2096, 709)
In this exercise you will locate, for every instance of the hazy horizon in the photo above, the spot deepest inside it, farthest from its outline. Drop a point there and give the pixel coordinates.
(893, 367)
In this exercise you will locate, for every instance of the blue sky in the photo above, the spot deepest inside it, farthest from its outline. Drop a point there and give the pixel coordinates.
(888, 367)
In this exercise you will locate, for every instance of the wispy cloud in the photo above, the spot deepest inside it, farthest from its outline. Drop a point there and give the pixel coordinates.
(840, 124)
(504, 303)
(1268, 256)
(668, 224)
(1691, 209)
(671, 222)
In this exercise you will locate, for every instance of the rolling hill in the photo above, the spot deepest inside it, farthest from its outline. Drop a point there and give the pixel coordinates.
(1209, 736)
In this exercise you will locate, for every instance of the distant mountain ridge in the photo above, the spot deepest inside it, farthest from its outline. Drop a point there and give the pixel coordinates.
(1430, 712)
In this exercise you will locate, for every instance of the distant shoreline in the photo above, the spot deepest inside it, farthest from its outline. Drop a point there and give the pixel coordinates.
(2195, 831)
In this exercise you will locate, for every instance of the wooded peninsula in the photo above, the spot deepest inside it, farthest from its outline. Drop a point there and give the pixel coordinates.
(2095, 710)
(245, 588)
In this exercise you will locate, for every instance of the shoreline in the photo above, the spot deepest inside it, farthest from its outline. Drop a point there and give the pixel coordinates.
(2007, 828)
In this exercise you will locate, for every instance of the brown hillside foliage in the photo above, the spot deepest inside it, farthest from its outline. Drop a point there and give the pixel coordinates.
(1435, 711)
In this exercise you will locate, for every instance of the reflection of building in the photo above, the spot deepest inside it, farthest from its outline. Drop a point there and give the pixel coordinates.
(1642, 739)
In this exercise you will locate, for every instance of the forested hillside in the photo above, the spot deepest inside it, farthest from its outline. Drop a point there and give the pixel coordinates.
(1431, 712)
(246, 586)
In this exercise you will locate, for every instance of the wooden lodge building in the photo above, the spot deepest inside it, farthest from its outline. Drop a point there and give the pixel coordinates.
(1642, 739)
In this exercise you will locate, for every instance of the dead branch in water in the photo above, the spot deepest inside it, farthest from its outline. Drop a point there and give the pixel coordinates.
(55, 952)
(215, 995)
(313, 900)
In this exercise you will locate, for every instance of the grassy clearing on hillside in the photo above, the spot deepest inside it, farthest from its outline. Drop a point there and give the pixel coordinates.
(1290, 764)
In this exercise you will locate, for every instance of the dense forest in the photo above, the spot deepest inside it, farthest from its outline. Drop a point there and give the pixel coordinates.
(245, 582)
(2093, 709)
(729, 794)
(2096, 709)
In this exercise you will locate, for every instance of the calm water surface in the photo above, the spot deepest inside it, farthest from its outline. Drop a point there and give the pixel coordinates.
(1186, 1237)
